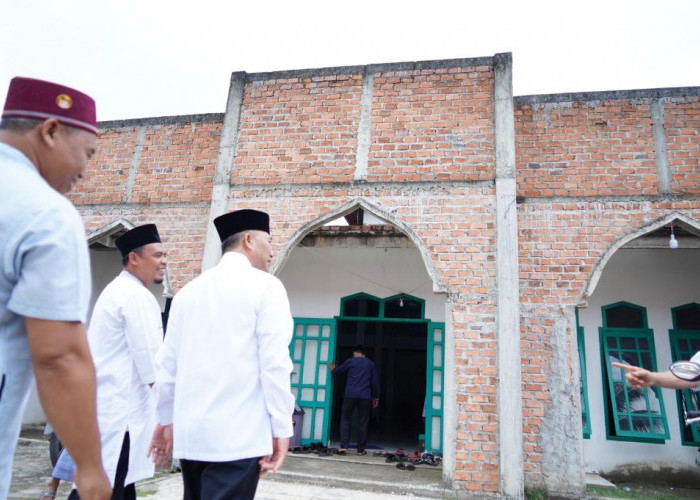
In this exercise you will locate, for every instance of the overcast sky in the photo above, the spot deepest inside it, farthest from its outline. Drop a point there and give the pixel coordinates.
(142, 58)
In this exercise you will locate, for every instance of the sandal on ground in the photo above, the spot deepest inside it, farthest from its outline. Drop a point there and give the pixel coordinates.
(342, 451)
(47, 494)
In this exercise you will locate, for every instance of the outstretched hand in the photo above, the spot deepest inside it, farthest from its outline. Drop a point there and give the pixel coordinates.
(161, 445)
(272, 463)
(636, 377)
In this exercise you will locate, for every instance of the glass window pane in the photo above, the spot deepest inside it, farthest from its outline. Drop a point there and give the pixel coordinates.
(324, 350)
(624, 316)
(437, 403)
(643, 343)
(437, 356)
(437, 380)
(307, 394)
(362, 307)
(297, 349)
(306, 428)
(688, 318)
(627, 343)
(318, 424)
(437, 335)
(403, 307)
(299, 332)
(322, 374)
(612, 342)
(312, 331)
(321, 395)
(624, 423)
(295, 373)
(310, 358)
(295, 391)
(326, 331)
(435, 432)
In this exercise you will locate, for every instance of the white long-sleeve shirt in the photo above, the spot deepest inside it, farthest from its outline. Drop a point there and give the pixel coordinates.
(224, 371)
(125, 334)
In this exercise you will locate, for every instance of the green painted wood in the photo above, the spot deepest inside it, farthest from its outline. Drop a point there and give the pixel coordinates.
(684, 344)
(311, 350)
(630, 412)
(434, 387)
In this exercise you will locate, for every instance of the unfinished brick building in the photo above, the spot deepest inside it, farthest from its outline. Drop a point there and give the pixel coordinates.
(496, 245)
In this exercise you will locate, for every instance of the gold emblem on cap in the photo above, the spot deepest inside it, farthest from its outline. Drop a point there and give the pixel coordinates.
(64, 101)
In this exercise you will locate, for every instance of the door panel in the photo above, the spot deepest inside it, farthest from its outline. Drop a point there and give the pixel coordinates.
(310, 348)
(434, 400)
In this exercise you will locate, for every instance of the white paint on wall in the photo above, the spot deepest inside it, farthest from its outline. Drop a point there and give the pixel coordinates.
(316, 278)
(657, 279)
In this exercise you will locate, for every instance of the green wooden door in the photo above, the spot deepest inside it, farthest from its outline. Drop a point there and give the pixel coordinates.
(312, 348)
(434, 399)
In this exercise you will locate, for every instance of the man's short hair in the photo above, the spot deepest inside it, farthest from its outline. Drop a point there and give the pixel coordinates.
(232, 241)
(125, 259)
(19, 125)
(359, 348)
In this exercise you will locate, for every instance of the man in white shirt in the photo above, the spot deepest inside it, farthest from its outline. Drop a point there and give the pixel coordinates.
(125, 334)
(225, 401)
(47, 135)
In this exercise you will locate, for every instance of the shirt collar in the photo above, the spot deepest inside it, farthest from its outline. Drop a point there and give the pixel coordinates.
(16, 155)
(127, 274)
(234, 259)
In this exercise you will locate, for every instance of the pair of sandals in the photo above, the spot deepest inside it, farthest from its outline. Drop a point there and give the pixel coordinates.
(47, 494)
(408, 466)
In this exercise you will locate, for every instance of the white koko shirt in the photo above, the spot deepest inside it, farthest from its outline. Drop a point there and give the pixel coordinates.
(125, 334)
(224, 370)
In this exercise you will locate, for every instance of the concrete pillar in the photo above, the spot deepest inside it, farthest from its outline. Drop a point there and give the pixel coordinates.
(659, 131)
(134, 167)
(364, 130)
(510, 411)
(224, 167)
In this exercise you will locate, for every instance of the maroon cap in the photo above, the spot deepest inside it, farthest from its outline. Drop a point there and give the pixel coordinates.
(40, 100)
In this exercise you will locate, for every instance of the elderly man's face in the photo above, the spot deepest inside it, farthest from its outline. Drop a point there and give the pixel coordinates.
(261, 255)
(69, 158)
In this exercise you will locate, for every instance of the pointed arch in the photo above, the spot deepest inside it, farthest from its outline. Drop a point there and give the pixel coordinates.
(347, 208)
(648, 228)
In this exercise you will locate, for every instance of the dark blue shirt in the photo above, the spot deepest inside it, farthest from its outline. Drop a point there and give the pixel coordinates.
(362, 378)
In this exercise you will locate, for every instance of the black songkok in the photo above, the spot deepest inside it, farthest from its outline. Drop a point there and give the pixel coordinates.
(241, 220)
(136, 238)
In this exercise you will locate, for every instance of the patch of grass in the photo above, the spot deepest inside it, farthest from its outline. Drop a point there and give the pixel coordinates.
(536, 494)
(631, 493)
(146, 493)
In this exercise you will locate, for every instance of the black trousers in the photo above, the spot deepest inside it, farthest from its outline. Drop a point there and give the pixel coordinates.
(364, 408)
(119, 491)
(235, 480)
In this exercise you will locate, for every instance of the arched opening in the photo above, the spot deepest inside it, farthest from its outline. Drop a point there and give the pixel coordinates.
(356, 276)
(629, 314)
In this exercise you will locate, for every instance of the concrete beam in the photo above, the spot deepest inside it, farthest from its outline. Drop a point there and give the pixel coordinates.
(510, 426)
(224, 167)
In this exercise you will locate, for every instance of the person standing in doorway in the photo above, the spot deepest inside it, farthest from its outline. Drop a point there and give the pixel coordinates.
(224, 385)
(361, 395)
(125, 334)
(48, 133)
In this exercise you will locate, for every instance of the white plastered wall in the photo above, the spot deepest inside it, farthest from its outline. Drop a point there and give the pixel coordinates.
(657, 279)
(316, 278)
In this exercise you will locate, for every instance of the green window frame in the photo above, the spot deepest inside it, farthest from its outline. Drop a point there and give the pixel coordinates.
(583, 381)
(631, 414)
(684, 344)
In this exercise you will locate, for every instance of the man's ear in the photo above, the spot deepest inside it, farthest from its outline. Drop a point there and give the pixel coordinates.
(48, 130)
(249, 239)
(133, 258)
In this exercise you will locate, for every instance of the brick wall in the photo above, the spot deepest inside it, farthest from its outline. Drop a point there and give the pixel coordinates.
(587, 175)
(683, 137)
